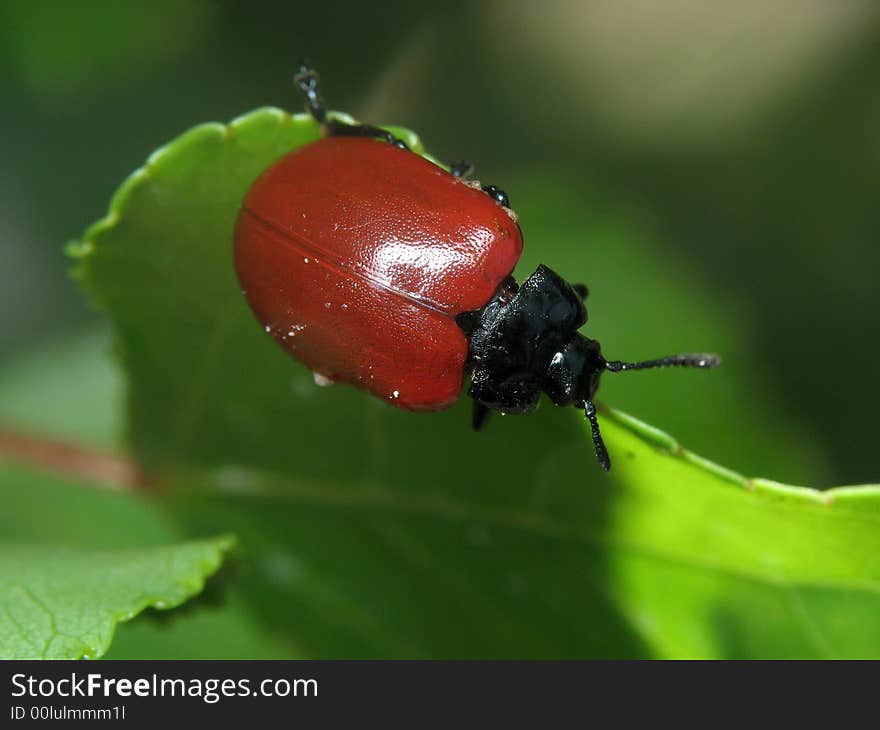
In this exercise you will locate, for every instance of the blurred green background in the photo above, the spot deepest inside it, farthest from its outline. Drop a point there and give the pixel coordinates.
(710, 169)
(742, 140)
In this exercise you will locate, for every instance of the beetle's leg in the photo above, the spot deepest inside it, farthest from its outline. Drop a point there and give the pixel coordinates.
(464, 169)
(461, 169)
(497, 194)
(480, 416)
(581, 290)
(308, 82)
(335, 128)
(598, 443)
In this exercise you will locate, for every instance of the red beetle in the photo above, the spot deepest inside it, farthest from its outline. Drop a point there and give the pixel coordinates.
(378, 268)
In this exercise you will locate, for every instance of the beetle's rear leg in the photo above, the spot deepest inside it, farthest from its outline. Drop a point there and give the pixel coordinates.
(581, 290)
(335, 128)
(307, 79)
(461, 169)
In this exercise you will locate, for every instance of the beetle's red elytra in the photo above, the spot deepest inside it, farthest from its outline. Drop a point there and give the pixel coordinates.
(357, 256)
(375, 267)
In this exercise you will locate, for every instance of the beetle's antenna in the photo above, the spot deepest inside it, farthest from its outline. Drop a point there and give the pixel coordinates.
(598, 443)
(695, 360)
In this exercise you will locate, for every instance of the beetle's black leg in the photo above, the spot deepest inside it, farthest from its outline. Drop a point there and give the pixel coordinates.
(598, 443)
(308, 82)
(464, 170)
(341, 129)
(481, 415)
(497, 194)
(461, 169)
(581, 290)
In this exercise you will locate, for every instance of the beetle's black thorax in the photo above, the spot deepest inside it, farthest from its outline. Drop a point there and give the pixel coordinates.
(525, 341)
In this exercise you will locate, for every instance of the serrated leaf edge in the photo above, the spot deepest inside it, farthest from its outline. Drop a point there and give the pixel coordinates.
(670, 446)
(186, 589)
(82, 248)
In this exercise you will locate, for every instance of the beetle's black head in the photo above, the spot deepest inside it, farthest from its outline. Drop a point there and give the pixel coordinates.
(525, 341)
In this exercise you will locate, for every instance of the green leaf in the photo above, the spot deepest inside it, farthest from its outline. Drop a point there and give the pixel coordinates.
(64, 603)
(708, 563)
(676, 557)
(373, 532)
(45, 509)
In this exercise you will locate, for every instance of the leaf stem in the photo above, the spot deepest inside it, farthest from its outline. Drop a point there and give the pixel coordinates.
(98, 469)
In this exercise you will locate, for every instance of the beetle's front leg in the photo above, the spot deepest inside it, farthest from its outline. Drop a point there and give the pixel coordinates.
(480, 416)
